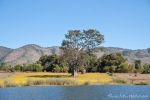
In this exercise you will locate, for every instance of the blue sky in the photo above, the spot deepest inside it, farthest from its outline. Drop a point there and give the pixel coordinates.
(124, 23)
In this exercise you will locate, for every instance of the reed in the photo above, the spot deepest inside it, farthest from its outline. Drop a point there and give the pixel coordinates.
(141, 83)
(10, 83)
(120, 80)
(87, 83)
(42, 82)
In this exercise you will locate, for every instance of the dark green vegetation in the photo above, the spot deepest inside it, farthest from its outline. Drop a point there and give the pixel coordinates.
(50, 76)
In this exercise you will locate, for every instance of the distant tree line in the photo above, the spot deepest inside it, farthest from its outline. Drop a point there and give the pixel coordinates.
(21, 68)
(113, 63)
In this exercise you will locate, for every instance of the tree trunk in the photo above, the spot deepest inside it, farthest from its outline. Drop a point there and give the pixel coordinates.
(74, 73)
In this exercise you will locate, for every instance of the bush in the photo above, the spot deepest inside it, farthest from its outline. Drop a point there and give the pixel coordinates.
(121, 80)
(87, 83)
(141, 83)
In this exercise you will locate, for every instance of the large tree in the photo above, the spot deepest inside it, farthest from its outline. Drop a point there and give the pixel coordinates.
(78, 43)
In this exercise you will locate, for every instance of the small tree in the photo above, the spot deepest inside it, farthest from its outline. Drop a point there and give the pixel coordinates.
(131, 68)
(18, 67)
(5, 66)
(146, 68)
(24, 67)
(138, 65)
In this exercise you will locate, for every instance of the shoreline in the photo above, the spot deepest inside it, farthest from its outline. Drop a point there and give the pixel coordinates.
(6, 74)
(76, 84)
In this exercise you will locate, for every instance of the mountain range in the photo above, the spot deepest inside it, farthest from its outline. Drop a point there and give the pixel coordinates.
(31, 53)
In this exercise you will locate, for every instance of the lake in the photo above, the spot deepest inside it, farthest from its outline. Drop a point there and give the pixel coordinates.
(102, 92)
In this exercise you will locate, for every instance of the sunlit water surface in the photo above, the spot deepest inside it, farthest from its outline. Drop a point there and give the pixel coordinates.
(102, 92)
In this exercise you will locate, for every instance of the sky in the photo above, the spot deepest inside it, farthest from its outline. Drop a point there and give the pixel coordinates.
(124, 23)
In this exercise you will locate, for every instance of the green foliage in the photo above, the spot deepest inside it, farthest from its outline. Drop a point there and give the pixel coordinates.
(18, 67)
(110, 69)
(106, 68)
(5, 67)
(124, 67)
(138, 65)
(93, 69)
(146, 68)
(24, 67)
(56, 68)
(76, 44)
(64, 68)
(53, 63)
(111, 59)
(91, 64)
(35, 67)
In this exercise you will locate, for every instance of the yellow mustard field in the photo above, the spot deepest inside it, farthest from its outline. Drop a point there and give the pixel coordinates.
(22, 77)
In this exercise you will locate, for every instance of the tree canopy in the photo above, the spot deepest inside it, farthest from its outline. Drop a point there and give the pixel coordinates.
(111, 59)
(78, 43)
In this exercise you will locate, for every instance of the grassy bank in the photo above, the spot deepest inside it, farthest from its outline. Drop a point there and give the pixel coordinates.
(44, 79)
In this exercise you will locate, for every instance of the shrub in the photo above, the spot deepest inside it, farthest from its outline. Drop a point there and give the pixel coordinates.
(87, 83)
(141, 83)
(121, 80)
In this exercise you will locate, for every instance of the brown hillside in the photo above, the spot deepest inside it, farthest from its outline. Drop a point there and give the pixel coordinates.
(31, 53)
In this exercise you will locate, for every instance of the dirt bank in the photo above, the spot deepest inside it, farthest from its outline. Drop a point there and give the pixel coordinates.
(133, 76)
(5, 74)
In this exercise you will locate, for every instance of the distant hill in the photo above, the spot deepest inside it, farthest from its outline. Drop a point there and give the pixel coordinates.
(31, 53)
(131, 55)
(28, 54)
(4, 52)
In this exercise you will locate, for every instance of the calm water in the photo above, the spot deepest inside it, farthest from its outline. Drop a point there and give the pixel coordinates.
(76, 93)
